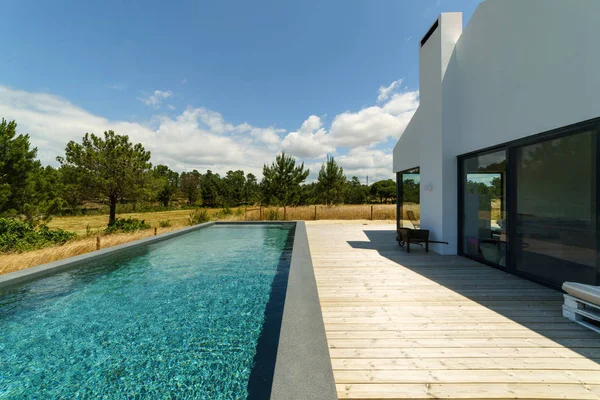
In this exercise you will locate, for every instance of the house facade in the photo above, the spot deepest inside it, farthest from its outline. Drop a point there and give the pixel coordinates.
(504, 145)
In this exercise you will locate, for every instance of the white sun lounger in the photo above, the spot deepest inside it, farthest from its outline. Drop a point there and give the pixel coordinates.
(582, 304)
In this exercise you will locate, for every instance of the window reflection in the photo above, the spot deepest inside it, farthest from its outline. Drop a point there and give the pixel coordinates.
(410, 191)
(484, 207)
(556, 209)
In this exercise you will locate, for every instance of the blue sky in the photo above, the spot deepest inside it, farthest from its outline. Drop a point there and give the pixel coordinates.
(219, 84)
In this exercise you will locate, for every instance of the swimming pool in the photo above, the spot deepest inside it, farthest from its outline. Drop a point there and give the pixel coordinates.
(178, 318)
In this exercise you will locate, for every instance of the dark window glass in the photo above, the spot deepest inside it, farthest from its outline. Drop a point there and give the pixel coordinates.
(410, 198)
(484, 207)
(556, 209)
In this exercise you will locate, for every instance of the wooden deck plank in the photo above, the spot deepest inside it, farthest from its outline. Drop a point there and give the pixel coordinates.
(471, 333)
(475, 326)
(474, 363)
(462, 342)
(442, 319)
(458, 352)
(427, 326)
(555, 376)
(477, 391)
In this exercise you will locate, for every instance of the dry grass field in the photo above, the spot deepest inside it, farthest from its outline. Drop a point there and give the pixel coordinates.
(179, 218)
(18, 261)
(85, 224)
(90, 227)
(380, 212)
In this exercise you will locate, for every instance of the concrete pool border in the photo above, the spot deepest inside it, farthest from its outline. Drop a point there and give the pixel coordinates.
(303, 368)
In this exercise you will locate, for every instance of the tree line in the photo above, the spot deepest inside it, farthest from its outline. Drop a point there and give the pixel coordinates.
(110, 169)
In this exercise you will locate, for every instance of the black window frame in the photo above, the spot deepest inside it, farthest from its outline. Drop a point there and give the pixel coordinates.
(511, 148)
(461, 198)
(399, 193)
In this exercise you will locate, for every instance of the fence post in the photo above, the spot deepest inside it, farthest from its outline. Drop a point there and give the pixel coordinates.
(315, 212)
(155, 231)
(284, 213)
(371, 212)
(245, 214)
(261, 213)
(97, 242)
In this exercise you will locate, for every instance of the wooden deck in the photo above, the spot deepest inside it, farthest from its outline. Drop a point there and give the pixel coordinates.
(429, 326)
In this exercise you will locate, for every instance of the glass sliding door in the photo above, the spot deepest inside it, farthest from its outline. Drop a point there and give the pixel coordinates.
(484, 234)
(409, 198)
(531, 206)
(556, 221)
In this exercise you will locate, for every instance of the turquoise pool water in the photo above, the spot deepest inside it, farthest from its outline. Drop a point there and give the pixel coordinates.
(177, 319)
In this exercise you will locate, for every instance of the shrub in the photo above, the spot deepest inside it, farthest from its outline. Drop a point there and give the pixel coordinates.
(164, 224)
(54, 235)
(127, 225)
(224, 213)
(198, 216)
(19, 236)
(272, 214)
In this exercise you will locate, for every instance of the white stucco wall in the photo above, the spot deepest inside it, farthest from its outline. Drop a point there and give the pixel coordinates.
(519, 68)
(522, 67)
(408, 140)
(421, 143)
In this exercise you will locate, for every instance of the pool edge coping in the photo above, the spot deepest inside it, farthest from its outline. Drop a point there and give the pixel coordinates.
(303, 367)
(42, 270)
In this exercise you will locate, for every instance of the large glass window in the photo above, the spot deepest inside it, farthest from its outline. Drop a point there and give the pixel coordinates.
(556, 209)
(484, 234)
(409, 198)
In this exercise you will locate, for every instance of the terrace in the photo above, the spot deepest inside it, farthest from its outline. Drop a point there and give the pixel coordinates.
(422, 325)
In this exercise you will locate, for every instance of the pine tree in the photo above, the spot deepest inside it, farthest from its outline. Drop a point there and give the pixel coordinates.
(331, 183)
(282, 181)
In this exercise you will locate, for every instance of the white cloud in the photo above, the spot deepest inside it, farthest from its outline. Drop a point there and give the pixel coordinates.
(199, 138)
(386, 91)
(171, 107)
(365, 128)
(156, 98)
(373, 125)
(310, 141)
(52, 121)
(402, 103)
(269, 136)
(363, 162)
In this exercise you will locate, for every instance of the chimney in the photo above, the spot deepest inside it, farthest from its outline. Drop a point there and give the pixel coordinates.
(436, 48)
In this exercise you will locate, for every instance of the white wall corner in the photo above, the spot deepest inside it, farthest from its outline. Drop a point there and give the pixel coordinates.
(451, 25)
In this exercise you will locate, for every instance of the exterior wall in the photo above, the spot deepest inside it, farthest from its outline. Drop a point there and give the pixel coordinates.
(410, 139)
(425, 129)
(430, 131)
(518, 69)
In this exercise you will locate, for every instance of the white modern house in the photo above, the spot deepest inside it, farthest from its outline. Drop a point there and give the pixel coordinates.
(505, 140)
